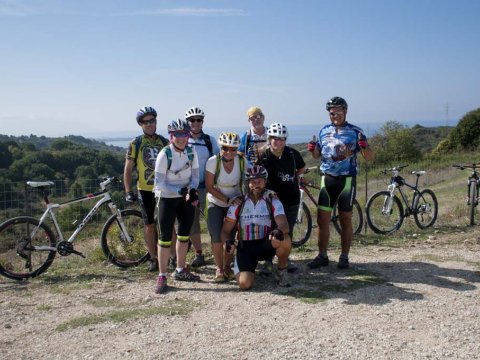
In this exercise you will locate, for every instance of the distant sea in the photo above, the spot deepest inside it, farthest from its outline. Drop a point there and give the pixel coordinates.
(296, 133)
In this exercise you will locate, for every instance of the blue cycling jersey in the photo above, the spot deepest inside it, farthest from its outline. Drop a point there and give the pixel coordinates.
(339, 149)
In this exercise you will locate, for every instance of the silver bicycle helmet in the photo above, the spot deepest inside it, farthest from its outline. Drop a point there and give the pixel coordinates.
(147, 110)
(178, 125)
(255, 172)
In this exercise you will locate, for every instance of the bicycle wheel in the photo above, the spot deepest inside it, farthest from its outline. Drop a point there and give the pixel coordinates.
(357, 218)
(384, 213)
(425, 208)
(303, 226)
(115, 245)
(19, 258)
(472, 199)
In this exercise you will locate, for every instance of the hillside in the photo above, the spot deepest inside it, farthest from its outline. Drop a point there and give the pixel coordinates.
(41, 142)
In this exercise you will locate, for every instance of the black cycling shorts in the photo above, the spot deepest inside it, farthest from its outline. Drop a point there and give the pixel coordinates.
(146, 199)
(250, 252)
(341, 189)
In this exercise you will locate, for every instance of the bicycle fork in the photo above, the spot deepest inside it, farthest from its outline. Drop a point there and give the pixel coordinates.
(388, 202)
(125, 236)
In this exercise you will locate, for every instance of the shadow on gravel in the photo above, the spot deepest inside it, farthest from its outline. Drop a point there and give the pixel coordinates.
(376, 283)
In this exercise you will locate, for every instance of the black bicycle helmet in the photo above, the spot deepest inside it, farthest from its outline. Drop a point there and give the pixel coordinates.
(337, 101)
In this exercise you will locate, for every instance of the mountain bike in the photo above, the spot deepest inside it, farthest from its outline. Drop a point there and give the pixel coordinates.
(28, 245)
(385, 212)
(473, 187)
(304, 224)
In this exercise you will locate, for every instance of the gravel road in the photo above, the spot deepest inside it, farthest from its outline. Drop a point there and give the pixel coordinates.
(420, 301)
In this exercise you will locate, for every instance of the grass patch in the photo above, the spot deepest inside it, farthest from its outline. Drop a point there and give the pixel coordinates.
(177, 308)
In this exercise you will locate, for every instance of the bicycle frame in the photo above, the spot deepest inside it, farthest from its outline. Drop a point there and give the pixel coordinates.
(475, 179)
(105, 198)
(396, 183)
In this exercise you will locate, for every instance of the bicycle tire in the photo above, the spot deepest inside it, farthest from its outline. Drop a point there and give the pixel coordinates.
(357, 219)
(18, 260)
(114, 244)
(377, 219)
(472, 192)
(303, 227)
(425, 209)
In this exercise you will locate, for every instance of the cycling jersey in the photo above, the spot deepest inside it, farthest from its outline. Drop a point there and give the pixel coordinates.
(339, 149)
(182, 172)
(255, 220)
(203, 153)
(145, 160)
(282, 174)
(250, 145)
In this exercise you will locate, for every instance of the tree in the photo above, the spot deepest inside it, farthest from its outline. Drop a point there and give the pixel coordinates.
(394, 142)
(467, 132)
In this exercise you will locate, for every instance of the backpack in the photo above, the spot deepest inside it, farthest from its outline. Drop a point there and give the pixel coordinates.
(138, 143)
(208, 143)
(168, 152)
(242, 170)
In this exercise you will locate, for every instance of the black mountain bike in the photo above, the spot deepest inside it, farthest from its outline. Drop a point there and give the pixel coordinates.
(473, 187)
(385, 212)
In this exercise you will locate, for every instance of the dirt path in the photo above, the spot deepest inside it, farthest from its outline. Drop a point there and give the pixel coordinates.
(420, 301)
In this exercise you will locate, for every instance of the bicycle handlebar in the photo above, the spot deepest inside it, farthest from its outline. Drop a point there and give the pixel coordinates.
(466, 166)
(396, 168)
(109, 180)
(307, 170)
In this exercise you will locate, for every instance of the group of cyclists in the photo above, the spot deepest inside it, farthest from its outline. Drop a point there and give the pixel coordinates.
(250, 183)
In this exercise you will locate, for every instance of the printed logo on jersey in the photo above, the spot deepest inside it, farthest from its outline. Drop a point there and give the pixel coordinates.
(285, 177)
(337, 149)
(149, 156)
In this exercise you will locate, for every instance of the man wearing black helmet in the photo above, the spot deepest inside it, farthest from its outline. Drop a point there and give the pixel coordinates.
(141, 154)
(338, 144)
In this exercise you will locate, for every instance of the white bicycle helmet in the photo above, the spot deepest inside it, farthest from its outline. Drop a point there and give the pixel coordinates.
(229, 139)
(277, 130)
(255, 172)
(147, 110)
(194, 111)
(178, 125)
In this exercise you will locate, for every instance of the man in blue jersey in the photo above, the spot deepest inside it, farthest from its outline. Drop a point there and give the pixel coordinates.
(338, 144)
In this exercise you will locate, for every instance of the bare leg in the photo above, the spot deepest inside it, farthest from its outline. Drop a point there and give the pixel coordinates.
(217, 249)
(182, 249)
(323, 236)
(150, 240)
(347, 230)
(245, 280)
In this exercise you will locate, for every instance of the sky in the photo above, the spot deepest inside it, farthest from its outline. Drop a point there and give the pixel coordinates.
(86, 67)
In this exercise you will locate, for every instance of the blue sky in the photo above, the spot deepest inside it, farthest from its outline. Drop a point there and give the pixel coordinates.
(85, 67)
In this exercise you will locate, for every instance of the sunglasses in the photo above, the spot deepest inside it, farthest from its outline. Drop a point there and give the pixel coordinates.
(148, 122)
(180, 134)
(278, 138)
(335, 114)
(256, 117)
(195, 120)
(228, 148)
